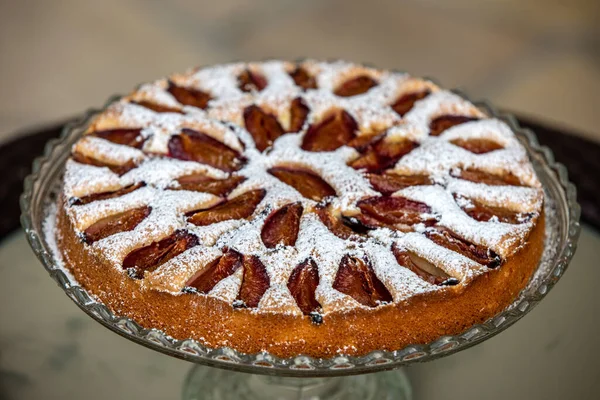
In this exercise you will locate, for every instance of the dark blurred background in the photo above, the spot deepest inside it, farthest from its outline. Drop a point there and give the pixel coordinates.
(540, 57)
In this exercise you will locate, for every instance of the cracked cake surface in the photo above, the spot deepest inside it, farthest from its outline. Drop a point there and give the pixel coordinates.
(308, 207)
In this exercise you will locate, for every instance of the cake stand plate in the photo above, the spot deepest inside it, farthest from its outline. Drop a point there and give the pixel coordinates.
(333, 378)
(217, 384)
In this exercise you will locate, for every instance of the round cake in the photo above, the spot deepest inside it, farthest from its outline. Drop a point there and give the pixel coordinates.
(300, 208)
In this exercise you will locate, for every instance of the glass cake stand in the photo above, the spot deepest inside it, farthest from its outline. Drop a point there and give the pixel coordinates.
(303, 377)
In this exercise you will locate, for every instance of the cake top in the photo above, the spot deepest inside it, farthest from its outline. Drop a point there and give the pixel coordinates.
(303, 187)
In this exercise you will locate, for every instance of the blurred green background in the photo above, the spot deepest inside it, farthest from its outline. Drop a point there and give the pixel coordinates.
(58, 57)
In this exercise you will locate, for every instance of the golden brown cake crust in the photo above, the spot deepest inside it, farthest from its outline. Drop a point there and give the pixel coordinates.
(421, 319)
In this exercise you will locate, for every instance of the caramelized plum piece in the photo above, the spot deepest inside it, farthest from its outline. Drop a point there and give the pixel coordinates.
(206, 278)
(476, 145)
(383, 155)
(332, 222)
(481, 212)
(149, 258)
(255, 282)
(356, 278)
(388, 183)
(302, 78)
(117, 169)
(406, 102)
(107, 195)
(298, 113)
(249, 81)
(423, 268)
(282, 226)
(263, 127)
(440, 124)
(239, 207)
(124, 136)
(334, 131)
(158, 108)
(476, 176)
(189, 96)
(362, 143)
(309, 184)
(203, 183)
(450, 240)
(302, 285)
(360, 224)
(393, 210)
(355, 86)
(196, 146)
(121, 222)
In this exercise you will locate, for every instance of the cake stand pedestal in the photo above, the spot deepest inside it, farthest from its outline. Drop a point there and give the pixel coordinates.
(205, 383)
(303, 377)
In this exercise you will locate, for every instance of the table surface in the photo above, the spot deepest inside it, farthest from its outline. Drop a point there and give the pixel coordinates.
(52, 350)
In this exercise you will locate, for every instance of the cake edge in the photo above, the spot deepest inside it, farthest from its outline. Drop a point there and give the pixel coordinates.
(214, 323)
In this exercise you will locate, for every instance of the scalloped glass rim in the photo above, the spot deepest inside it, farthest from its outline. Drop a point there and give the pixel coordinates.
(560, 246)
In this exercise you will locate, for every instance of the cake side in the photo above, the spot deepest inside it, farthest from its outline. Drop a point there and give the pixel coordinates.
(214, 323)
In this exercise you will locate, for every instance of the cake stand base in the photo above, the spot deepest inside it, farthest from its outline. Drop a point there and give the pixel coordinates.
(216, 384)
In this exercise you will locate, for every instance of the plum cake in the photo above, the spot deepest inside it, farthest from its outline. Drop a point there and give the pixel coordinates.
(309, 207)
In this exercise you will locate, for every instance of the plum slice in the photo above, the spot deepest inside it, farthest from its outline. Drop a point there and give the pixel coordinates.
(405, 103)
(189, 96)
(309, 184)
(206, 278)
(355, 86)
(332, 132)
(450, 240)
(477, 145)
(298, 113)
(332, 222)
(191, 145)
(264, 127)
(239, 207)
(423, 268)
(356, 278)
(116, 168)
(394, 210)
(107, 195)
(116, 223)
(131, 137)
(482, 212)
(282, 226)
(383, 154)
(149, 258)
(158, 108)
(441, 123)
(388, 183)
(473, 175)
(362, 143)
(303, 79)
(303, 283)
(255, 282)
(249, 81)
(203, 183)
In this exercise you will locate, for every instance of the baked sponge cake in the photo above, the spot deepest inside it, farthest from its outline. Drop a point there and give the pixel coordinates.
(300, 208)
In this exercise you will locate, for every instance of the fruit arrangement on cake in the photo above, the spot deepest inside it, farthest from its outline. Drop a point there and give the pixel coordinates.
(300, 208)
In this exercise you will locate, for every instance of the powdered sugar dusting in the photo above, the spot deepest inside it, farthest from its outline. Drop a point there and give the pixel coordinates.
(107, 151)
(81, 180)
(173, 275)
(435, 157)
(162, 172)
